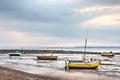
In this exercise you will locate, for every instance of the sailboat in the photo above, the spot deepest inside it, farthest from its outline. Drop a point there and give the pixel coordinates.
(84, 63)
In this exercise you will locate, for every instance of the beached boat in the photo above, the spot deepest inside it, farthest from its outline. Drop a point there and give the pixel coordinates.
(79, 64)
(108, 54)
(47, 57)
(85, 63)
(17, 53)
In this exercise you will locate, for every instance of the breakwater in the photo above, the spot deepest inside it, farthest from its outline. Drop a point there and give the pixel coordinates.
(44, 51)
(27, 51)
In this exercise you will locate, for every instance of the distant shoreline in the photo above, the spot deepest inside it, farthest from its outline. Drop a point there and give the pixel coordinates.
(27, 51)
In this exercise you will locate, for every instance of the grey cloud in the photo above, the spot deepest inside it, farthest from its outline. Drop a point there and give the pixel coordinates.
(62, 13)
(57, 20)
(87, 3)
(108, 2)
(24, 10)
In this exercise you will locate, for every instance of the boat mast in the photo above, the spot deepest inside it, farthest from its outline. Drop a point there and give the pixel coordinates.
(85, 44)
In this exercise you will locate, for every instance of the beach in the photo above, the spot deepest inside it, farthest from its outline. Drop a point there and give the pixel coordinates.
(27, 67)
(10, 74)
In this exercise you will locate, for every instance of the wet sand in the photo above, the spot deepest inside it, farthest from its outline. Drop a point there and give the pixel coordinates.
(10, 74)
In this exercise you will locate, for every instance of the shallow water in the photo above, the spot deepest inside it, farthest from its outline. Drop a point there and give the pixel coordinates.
(55, 68)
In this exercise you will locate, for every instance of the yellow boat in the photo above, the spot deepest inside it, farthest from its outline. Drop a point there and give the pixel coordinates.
(75, 64)
(84, 63)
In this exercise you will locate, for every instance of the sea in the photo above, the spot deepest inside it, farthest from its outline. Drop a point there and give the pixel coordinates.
(88, 49)
(108, 70)
(78, 48)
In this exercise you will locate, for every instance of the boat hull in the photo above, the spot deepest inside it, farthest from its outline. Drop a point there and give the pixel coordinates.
(108, 55)
(83, 67)
(47, 57)
(80, 65)
(14, 54)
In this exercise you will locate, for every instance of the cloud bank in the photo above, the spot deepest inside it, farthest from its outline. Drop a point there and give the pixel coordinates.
(59, 23)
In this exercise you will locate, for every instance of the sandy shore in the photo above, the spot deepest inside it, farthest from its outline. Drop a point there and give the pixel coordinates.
(10, 74)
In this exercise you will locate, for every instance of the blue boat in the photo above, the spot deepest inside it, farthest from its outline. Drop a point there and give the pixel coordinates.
(17, 53)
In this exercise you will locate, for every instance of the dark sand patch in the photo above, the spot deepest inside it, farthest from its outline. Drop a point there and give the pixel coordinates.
(10, 74)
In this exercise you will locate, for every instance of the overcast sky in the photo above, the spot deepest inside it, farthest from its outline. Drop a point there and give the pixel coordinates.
(59, 22)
